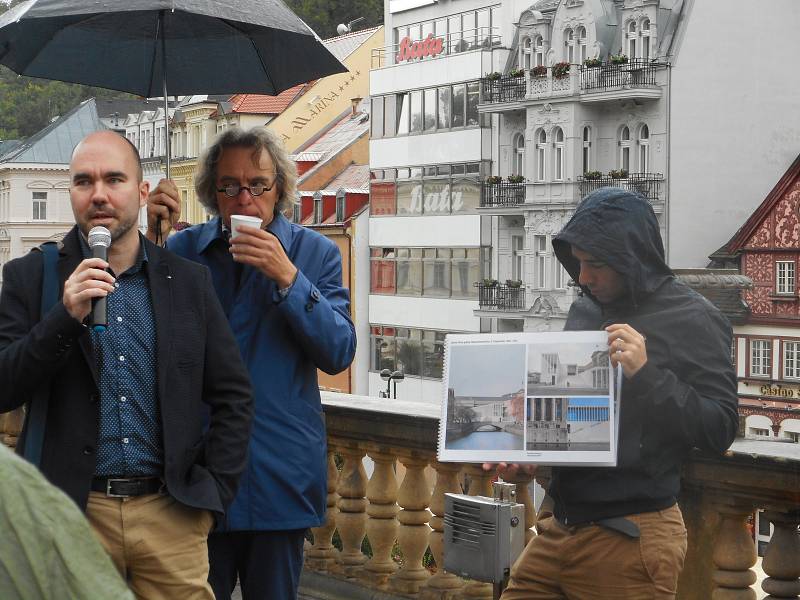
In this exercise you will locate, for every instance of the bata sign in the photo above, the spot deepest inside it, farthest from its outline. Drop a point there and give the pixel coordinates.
(430, 46)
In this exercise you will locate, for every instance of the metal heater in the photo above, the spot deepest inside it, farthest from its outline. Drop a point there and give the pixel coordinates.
(484, 536)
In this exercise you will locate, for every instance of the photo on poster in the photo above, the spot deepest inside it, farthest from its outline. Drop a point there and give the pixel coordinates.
(543, 397)
(486, 401)
(568, 424)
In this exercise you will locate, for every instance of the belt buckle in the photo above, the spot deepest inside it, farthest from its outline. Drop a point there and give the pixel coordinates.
(108, 488)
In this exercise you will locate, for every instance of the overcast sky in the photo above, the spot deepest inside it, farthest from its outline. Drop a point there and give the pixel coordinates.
(487, 369)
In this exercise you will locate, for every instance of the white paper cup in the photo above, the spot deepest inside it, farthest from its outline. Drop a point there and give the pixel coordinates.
(239, 220)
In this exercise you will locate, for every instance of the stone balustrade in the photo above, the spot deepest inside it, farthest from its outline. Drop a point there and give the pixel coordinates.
(399, 509)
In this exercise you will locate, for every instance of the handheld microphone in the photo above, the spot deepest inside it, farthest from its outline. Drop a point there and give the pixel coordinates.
(99, 241)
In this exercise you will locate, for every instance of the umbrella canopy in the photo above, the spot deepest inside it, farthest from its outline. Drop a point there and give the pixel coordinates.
(195, 46)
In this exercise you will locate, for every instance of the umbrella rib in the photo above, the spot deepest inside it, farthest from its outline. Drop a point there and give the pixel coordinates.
(159, 25)
(255, 49)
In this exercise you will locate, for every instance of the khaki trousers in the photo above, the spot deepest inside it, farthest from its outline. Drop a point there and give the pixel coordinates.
(594, 563)
(158, 544)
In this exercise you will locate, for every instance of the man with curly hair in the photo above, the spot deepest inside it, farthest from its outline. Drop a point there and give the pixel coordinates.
(281, 287)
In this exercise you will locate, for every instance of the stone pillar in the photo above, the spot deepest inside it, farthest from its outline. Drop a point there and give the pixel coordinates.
(322, 555)
(352, 519)
(480, 484)
(443, 585)
(382, 521)
(734, 554)
(782, 558)
(413, 497)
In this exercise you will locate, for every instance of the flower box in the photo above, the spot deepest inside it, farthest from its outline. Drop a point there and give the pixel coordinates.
(561, 69)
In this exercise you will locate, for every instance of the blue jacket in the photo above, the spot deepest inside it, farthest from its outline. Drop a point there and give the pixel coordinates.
(283, 342)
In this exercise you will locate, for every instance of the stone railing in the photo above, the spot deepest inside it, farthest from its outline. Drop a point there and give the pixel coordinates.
(399, 509)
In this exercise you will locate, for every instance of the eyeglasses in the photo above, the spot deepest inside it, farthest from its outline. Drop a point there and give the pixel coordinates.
(233, 189)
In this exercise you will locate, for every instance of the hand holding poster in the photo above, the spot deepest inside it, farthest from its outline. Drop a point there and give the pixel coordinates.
(529, 397)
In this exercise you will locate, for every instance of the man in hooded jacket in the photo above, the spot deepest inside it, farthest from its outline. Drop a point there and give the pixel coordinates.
(618, 532)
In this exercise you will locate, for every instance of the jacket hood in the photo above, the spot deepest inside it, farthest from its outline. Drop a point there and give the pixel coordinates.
(621, 229)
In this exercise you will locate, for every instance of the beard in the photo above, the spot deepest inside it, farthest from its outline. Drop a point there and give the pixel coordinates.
(124, 223)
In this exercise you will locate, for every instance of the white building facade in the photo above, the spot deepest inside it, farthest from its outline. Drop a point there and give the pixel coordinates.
(572, 95)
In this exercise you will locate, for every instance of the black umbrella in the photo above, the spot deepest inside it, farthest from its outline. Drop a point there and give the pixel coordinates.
(141, 46)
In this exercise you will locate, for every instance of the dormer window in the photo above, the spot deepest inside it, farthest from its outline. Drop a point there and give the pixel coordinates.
(645, 33)
(340, 206)
(527, 48)
(569, 46)
(581, 35)
(631, 40)
(538, 51)
(317, 208)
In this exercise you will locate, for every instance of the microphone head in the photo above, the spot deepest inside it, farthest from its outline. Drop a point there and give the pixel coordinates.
(99, 236)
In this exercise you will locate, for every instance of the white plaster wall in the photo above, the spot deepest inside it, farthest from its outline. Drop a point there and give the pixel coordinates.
(444, 314)
(429, 148)
(735, 122)
(360, 299)
(426, 232)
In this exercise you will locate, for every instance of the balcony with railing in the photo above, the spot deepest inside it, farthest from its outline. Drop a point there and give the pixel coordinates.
(648, 185)
(502, 194)
(509, 296)
(383, 534)
(503, 89)
(620, 78)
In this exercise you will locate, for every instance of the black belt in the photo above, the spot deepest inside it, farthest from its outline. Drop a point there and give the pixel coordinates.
(618, 524)
(126, 487)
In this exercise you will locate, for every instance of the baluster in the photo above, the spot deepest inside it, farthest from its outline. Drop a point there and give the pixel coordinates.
(382, 521)
(413, 496)
(734, 554)
(782, 558)
(322, 555)
(480, 483)
(443, 585)
(352, 519)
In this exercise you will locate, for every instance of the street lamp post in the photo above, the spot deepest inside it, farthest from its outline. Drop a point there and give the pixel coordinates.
(389, 376)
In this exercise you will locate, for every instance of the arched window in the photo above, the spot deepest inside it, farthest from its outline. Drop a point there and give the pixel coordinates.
(631, 40)
(644, 149)
(581, 34)
(569, 46)
(645, 33)
(518, 167)
(541, 148)
(525, 58)
(587, 149)
(538, 50)
(558, 151)
(625, 149)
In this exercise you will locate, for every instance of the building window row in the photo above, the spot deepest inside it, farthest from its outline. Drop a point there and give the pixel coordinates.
(428, 110)
(414, 352)
(459, 32)
(431, 190)
(760, 358)
(427, 272)
(548, 272)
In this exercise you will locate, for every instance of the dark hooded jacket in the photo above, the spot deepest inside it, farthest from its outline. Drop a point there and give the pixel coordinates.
(683, 397)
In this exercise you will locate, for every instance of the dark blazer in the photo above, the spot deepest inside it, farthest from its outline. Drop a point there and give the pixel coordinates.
(203, 387)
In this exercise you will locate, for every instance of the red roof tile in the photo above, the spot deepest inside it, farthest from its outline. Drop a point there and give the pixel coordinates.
(262, 104)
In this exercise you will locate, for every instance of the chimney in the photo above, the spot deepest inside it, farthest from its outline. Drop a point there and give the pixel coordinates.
(355, 102)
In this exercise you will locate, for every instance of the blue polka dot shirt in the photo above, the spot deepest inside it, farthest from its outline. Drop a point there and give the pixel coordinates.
(129, 440)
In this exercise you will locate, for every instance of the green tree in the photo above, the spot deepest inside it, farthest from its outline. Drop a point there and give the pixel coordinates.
(324, 15)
